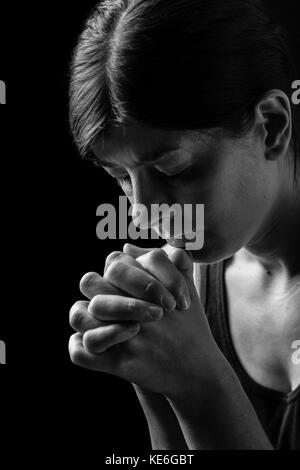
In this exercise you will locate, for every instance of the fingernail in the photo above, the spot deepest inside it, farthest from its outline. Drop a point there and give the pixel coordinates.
(184, 302)
(155, 312)
(169, 303)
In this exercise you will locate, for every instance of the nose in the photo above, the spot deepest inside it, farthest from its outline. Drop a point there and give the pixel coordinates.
(149, 189)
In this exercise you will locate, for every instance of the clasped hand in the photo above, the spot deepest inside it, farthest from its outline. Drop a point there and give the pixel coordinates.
(144, 322)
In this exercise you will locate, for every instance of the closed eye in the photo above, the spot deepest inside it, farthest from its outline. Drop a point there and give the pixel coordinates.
(126, 181)
(174, 172)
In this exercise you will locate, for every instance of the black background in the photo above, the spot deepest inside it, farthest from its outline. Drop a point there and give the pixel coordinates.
(49, 201)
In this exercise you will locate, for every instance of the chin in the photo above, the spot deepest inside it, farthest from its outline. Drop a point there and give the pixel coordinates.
(214, 250)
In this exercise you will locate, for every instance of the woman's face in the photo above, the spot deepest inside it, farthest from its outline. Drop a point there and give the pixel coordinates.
(231, 177)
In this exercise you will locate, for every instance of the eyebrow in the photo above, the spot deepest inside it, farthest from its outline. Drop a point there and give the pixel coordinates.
(148, 159)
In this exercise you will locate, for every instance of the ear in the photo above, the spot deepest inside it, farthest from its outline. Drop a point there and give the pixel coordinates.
(274, 118)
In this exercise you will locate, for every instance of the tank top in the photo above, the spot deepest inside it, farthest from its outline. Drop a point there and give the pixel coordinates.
(278, 412)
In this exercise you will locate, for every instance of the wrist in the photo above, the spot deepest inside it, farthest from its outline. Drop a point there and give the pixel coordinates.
(198, 385)
(218, 414)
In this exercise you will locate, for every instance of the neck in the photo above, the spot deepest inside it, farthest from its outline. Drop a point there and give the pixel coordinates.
(276, 248)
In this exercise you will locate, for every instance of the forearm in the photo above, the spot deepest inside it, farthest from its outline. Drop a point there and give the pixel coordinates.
(164, 429)
(224, 419)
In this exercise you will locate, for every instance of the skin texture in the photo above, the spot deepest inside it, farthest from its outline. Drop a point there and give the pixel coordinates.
(165, 368)
(245, 185)
(251, 211)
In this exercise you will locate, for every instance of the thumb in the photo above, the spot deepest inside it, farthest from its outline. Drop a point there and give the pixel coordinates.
(182, 259)
(184, 262)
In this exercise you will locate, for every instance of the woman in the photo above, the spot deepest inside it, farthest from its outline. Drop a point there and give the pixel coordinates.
(188, 101)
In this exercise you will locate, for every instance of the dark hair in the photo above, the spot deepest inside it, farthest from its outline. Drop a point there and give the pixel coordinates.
(176, 64)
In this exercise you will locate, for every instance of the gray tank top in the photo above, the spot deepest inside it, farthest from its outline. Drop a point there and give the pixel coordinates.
(279, 412)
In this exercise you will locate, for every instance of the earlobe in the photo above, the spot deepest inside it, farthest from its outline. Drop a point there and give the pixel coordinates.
(273, 111)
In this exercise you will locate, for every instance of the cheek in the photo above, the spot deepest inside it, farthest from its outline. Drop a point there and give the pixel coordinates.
(237, 198)
(233, 202)
(241, 208)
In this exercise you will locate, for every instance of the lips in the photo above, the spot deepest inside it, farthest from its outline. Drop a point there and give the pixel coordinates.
(180, 242)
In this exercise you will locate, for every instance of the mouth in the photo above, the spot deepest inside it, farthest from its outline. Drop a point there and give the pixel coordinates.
(176, 243)
(176, 240)
(180, 242)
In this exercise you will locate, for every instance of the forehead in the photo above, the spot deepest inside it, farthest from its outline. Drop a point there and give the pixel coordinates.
(137, 143)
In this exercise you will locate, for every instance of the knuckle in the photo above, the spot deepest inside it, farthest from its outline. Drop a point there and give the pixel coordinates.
(97, 306)
(75, 316)
(156, 254)
(99, 342)
(88, 340)
(95, 303)
(76, 357)
(88, 281)
(75, 352)
(115, 269)
(76, 320)
(113, 257)
(151, 287)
